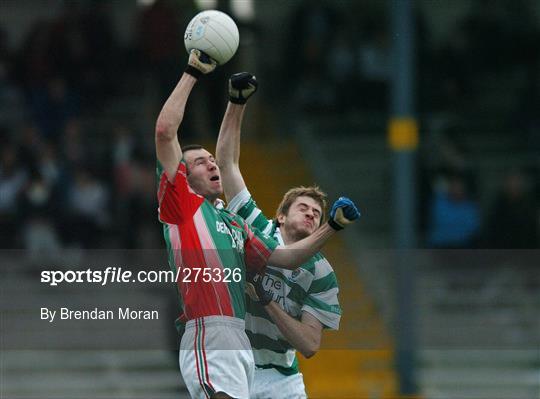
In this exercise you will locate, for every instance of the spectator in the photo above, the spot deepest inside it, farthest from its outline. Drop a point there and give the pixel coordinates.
(443, 155)
(140, 208)
(49, 166)
(37, 213)
(455, 217)
(513, 220)
(87, 209)
(53, 107)
(30, 146)
(123, 171)
(74, 148)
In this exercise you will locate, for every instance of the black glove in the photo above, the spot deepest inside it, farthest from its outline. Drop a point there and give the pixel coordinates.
(241, 87)
(255, 289)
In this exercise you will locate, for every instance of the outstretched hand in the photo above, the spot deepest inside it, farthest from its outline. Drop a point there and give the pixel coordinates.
(199, 64)
(241, 87)
(343, 212)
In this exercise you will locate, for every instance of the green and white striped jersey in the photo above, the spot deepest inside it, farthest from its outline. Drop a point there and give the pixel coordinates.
(311, 288)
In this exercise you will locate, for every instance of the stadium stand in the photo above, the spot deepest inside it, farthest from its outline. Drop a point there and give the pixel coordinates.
(479, 330)
(478, 333)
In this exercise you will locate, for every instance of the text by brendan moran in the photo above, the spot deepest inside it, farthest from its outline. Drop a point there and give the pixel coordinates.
(98, 314)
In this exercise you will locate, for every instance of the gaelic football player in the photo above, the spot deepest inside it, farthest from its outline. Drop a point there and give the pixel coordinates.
(212, 248)
(290, 308)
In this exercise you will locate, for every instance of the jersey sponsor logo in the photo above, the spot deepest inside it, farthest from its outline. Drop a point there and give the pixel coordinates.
(237, 238)
(280, 299)
(276, 287)
(271, 283)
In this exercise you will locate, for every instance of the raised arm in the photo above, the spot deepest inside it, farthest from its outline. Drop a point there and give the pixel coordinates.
(241, 86)
(293, 255)
(228, 150)
(168, 149)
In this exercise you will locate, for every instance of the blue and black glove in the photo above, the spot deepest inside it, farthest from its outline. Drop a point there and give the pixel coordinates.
(241, 87)
(255, 289)
(343, 213)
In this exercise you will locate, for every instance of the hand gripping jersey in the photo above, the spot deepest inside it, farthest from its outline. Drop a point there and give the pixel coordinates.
(311, 288)
(209, 249)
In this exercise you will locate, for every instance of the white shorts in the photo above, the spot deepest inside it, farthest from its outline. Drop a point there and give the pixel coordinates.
(271, 384)
(215, 356)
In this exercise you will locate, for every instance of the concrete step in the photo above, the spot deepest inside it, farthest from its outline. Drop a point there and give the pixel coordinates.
(17, 360)
(96, 374)
(105, 382)
(512, 358)
(456, 391)
(481, 379)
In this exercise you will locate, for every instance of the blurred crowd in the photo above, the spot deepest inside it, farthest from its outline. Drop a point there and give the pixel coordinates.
(482, 78)
(62, 185)
(452, 214)
(62, 182)
(341, 58)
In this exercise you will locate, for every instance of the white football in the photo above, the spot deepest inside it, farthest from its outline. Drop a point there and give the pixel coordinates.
(214, 33)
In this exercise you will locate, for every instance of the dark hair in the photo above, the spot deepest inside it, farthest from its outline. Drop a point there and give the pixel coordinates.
(190, 147)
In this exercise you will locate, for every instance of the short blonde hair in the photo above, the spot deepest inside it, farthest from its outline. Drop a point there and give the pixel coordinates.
(312, 191)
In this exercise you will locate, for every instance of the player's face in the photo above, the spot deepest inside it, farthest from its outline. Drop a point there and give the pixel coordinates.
(303, 218)
(203, 173)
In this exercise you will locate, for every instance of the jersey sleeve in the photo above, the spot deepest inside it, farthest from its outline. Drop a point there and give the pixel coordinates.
(322, 296)
(245, 206)
(258, 248)
(177, 202)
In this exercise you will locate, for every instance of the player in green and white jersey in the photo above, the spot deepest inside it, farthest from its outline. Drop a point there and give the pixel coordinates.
(289, 309)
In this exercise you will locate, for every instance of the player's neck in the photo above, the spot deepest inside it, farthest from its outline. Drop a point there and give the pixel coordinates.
(213, 199)
(288, 238)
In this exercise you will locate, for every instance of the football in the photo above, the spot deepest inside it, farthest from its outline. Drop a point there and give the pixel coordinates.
(214, 33)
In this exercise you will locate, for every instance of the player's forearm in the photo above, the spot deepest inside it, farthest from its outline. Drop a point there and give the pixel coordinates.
(302, 337)
(293, 255)
(228, 145)
(228, 150)
(172, 113)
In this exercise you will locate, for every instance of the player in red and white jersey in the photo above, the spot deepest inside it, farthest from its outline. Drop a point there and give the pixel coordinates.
(207, 243)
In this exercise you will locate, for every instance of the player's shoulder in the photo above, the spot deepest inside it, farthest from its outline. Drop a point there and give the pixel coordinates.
(233, 216)
(318, 265)
(242, 202)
